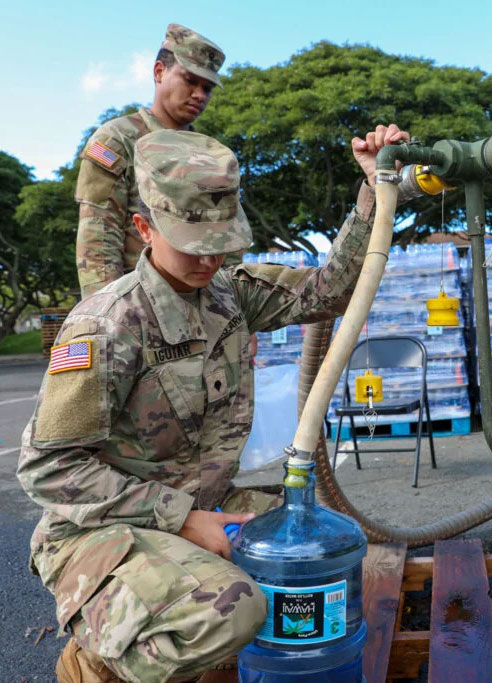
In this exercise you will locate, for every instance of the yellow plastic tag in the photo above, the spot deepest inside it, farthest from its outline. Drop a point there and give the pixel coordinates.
(362, 385)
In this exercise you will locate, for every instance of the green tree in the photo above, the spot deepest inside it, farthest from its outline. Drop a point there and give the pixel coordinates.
(38, 233)
(14, 175)
(48, 216)
(291, 126)
(37, 249)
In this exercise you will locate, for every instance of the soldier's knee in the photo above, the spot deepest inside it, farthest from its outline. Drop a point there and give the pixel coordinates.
(252, 611)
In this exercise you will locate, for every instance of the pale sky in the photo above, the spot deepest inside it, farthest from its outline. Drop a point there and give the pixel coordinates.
(65, 62)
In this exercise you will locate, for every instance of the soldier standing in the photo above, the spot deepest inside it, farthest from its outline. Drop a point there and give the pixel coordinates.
(108, 244)
(144, 411)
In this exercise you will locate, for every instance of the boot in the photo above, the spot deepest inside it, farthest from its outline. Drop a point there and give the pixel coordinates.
(76, 665)
(225, 672)
(215, 676)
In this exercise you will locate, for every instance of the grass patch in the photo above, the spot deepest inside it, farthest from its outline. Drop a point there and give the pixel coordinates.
(27, 342)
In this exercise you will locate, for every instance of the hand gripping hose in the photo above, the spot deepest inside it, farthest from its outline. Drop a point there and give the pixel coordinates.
(317, 384)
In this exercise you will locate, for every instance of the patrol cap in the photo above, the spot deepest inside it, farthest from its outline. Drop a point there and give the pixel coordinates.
(190, 183)
(194, 52)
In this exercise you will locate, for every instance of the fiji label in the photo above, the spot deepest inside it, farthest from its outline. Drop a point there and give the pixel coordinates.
(305, 615)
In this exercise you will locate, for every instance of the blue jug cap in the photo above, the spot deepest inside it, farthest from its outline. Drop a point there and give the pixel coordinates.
(231, 529)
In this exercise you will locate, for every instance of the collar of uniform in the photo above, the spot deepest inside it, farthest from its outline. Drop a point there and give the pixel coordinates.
(178, 320)
(221, 314)
(153, 123)
(150, 120)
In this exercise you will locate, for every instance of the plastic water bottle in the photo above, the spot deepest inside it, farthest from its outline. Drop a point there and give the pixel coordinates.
(308, 562)
(249, 257)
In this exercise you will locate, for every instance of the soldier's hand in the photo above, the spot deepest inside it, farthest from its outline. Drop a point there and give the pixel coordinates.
(206, 529)
(365, 151)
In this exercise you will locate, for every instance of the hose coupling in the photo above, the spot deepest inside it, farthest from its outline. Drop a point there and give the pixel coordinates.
(418, 181)
(393, 178)
(298, 457)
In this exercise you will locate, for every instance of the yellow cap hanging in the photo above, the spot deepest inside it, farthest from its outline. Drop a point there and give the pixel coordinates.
(430, 183)
(362, 385)
(443, 311)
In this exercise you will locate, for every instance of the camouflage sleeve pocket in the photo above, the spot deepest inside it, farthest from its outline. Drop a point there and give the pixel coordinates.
(79, 579)
(102, 165)
(143, 586)
(95, 185)
(74, 404)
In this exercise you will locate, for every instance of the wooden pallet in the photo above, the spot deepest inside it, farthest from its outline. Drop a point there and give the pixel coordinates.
(458, 644)
(442, 427)
(51, 321)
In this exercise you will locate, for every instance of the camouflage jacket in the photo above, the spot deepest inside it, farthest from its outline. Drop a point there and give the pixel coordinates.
(157, 423)
(108, 244)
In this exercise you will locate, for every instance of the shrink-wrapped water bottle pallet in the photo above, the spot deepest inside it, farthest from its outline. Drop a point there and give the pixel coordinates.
(428, 613)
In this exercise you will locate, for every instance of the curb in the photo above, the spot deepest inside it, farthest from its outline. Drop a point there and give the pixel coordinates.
(22, 357)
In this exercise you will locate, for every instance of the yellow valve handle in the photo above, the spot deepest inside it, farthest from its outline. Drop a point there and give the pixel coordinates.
(443, 311)
(362, 384)
(430, 183)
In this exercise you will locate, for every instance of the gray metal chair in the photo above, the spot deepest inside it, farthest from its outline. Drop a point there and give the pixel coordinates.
(388, 352)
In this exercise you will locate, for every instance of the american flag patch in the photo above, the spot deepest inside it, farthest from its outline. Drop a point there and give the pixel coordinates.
(71, 356)
(103, 154)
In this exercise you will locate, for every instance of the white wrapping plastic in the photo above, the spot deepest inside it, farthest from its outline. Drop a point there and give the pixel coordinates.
(275, 417)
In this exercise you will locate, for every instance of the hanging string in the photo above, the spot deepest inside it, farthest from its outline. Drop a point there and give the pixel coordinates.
(371, 419)
(368, 412)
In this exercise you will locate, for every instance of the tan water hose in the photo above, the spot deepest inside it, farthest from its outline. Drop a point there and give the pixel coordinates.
(317, 385)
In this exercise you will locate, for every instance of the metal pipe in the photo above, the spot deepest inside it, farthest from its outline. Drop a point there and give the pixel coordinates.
(475, 218)
(409, 153)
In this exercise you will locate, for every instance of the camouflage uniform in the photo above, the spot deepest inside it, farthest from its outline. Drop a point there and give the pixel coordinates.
(152, 427)
(108, 244)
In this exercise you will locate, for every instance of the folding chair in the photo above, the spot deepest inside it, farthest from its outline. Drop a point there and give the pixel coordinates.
(388, 352)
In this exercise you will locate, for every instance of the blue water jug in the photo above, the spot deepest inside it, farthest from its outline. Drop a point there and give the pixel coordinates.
(308, 562)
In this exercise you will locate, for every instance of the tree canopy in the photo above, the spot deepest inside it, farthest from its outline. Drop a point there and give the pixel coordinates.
(48, 218)
(37, 241)
(14, 175)
(291, 127)
(38, 230)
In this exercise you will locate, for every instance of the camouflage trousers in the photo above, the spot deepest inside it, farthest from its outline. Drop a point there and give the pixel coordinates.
(171, 608)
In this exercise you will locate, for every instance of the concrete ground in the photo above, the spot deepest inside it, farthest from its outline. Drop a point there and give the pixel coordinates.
(383, 490)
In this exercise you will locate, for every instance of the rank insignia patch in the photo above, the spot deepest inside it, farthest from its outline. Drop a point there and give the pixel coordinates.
(71, 356)
(103, 154)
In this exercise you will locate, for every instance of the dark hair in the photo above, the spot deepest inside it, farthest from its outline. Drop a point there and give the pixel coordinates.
(166, 57)
(144, 211)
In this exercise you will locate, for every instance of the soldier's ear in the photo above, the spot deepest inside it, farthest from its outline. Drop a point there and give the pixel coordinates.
(143, 227)
(159, 71)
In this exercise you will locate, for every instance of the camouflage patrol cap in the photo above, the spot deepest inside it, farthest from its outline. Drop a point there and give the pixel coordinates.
(194, 52)
(190, 183)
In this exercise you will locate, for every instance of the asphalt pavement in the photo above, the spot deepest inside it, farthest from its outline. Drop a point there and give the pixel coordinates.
(382, 490)
(29, 647)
